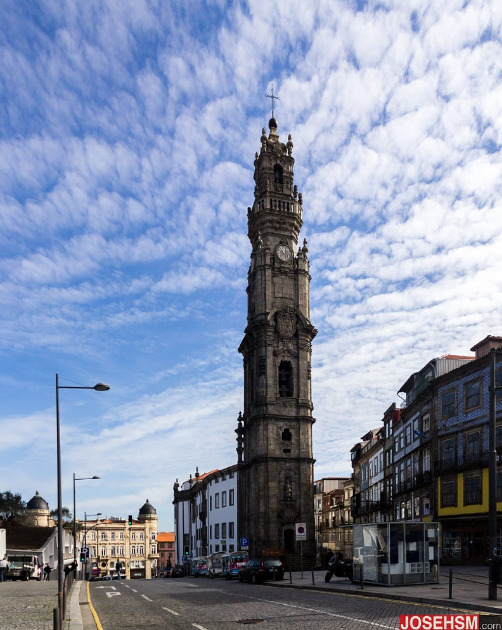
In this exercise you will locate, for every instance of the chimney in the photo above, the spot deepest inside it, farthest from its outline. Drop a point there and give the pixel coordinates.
(483, 347)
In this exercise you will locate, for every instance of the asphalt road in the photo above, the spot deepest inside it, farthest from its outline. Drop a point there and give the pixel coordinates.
(187, 603)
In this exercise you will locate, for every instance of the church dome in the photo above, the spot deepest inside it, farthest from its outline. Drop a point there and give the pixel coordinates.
(37, 503)
(272, 124)
(147, 508)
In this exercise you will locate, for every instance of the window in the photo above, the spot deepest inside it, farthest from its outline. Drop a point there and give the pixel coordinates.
(426, 423)
(472, 490)
(426, 459)
(448, 403)
(448, 450)
(499, 485)
(141, 550)
(103, 535)
(217, 530)
(153, 549)
(112, 550)
(285, 379)
(141, 535)
(121, 536)
(93, 535)
(133, 550)
(210, 503)
(498, 435)
(112, 536)
(408, 434)
(223, 530)
(231, 496)
(224, 498)
(472, 394)
(278, 174)
(217, 500)
(133, 536)
(286, 435)
(472, 446)
(231, 533)
(449, 494)
(103, 552)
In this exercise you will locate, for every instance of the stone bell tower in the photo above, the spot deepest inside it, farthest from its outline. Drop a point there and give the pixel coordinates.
(274, 434)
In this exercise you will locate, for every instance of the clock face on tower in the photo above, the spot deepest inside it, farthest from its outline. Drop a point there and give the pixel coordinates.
(283, 253)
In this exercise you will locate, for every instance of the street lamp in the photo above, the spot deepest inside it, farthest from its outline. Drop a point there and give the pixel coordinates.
(75, 516)
(100, 387)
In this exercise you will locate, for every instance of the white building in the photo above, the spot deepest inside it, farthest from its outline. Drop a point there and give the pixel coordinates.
(205, 513)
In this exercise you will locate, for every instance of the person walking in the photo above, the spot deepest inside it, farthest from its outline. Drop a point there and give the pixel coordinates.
(4, 567)
(47, 572)
(118, 566)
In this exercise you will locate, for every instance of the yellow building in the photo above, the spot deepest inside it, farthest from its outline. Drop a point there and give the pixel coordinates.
(132, 542)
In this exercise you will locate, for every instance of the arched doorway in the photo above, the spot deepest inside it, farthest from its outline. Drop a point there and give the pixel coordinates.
(289, 540)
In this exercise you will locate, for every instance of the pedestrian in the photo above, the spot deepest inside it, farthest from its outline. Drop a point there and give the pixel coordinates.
(47, 572)
(118, 566)
(4, 567)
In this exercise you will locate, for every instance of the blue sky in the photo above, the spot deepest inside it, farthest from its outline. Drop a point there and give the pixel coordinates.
(127, 137)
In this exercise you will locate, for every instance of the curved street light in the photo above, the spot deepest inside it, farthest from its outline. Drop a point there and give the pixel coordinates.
(99, 387)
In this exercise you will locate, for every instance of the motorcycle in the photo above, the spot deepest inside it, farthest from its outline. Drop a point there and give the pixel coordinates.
(339, 567)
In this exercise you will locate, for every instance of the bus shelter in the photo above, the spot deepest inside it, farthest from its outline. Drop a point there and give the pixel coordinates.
(396, 553)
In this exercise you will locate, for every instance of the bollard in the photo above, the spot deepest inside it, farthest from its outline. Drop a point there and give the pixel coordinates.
(55, 619)
(290, 578)
(362, 576)
(450, 584)
(313, 579)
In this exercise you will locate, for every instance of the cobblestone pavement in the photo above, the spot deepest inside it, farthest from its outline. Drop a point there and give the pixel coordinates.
(27, 605)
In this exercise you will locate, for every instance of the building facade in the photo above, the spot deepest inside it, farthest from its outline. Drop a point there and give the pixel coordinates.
(435, 454)
(275, 431)
(166, 549)
(205, 514)
(132, 542)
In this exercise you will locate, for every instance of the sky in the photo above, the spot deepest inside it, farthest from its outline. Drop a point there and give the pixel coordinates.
(128, 130)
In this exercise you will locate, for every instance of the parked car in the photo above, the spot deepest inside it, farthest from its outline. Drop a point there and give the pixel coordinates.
(175, 572)
(258, 570)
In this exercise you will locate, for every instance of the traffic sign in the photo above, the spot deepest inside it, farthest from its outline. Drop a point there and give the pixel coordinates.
(244, 542)
(301, 531)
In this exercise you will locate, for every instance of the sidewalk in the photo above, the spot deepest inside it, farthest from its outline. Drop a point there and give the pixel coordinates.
(78, 594)
(469, 588)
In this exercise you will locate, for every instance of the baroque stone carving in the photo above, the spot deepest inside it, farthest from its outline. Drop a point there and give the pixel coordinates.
(286, 323)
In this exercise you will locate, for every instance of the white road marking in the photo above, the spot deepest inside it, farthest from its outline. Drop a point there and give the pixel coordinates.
(314, 610)
(106, 587)
(134, 590)
(112, 593)
(196, 625)
(147, 598)
(173, 612)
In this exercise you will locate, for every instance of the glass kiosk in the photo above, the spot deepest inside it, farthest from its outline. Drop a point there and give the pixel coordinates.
(396, 553)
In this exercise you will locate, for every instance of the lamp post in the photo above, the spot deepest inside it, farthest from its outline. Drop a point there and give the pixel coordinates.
(100, 387)
(75, 516)
(98, 514)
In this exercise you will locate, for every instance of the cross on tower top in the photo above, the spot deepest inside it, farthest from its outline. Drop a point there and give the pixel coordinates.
(272, 97)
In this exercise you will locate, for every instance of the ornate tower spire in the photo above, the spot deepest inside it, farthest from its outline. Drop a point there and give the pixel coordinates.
(275, 431)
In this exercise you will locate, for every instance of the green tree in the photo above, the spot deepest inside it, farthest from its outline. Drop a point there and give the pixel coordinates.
(65, 512)
(12, 508)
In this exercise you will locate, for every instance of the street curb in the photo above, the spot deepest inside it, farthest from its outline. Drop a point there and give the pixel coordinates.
(448, 603)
